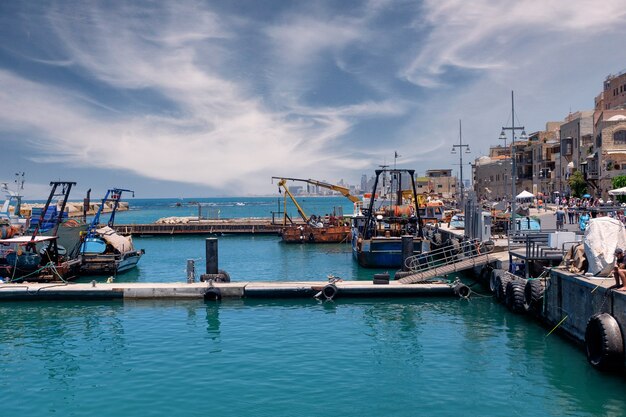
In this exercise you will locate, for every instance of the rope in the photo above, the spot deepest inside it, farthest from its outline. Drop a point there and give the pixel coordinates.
(561, 322)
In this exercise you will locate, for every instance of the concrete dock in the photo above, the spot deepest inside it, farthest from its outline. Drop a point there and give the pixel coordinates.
(204, 290)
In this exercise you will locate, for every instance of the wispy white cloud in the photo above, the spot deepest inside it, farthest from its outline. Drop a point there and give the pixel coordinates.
(482, 35)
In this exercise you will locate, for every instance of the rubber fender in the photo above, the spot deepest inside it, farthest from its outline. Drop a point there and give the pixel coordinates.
(225, 277)
(604, 343)
(462, 290)
(501, 283)
(485, 272)
(383, 276)
(514, 298)
(492, 278)
(533, 294)
(212, 294)
(401, 274)
(330, 291)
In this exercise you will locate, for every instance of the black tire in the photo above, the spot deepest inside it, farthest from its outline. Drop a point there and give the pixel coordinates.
(492, 278)
(330, 291)
(533, 294)
(485, 274)
(515, 296)
(212, 294)
(501, 283)
(462, 290)
(603, 342)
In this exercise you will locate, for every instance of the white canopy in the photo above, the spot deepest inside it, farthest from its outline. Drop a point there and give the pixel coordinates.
(524, 195)
(618, 191)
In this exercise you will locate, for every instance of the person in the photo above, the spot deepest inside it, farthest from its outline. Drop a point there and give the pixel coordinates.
(560, 218)
(619, 270)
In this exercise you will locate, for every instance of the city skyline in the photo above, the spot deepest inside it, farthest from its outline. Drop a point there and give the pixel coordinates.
(197, 99)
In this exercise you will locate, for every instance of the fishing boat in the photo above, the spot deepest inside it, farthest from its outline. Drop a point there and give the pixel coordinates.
(10, 212)
(312, 229)
(36, 257)
(377, 233)
(103, 250)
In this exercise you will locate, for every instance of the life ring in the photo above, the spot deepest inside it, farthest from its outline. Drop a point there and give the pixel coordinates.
(330, 291)
(603, 342)
(212, 294)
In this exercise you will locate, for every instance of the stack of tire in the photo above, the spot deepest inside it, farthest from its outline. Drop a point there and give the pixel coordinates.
(520, 295)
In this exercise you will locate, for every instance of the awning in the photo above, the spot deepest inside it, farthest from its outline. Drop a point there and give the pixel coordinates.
(616, 152)
(28, 239)
(618, 191)
(571, 164)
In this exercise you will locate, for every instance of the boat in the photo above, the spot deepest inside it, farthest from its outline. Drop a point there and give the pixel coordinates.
(12, 219)
(103, 250)
(378, 231)
(36, 257)
(457, 221)
(312, 229)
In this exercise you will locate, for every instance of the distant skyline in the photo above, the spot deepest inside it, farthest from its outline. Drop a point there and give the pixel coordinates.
(202, 99)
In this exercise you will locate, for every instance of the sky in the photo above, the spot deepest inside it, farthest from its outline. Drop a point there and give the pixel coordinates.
(213, 98)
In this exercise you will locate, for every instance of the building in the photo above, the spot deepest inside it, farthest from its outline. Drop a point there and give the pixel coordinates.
(492, 177)
(613, 95)
(437, 181)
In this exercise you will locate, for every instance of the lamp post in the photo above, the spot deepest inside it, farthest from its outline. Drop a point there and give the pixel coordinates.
(467, 150)
(523, 136)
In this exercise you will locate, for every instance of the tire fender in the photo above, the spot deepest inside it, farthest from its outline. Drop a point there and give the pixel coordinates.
(604, 343)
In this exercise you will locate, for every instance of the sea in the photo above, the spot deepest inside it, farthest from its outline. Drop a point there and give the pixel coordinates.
(364, 357)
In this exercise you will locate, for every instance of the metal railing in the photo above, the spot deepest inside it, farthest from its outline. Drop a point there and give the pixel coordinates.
(448, 255)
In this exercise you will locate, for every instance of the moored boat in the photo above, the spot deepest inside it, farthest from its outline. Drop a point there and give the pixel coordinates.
(377, 233)
(103, 250)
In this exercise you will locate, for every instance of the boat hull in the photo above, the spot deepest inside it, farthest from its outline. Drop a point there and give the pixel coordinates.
(383, 252)
(308, 234)
(109, 263)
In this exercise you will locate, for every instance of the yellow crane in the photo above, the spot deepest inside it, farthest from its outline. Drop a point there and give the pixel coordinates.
(344, 191)
(281, 183)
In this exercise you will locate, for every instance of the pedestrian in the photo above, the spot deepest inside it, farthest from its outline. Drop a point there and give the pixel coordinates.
(560, 218)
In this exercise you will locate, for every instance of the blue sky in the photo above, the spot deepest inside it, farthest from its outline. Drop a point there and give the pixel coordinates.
(213, 98)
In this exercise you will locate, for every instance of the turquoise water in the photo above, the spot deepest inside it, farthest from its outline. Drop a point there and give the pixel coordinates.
(378, 357)
(292, 358)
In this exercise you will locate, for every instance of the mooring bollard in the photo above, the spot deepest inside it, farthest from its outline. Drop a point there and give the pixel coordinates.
(407, 250)
(191, 271)
(211, 255)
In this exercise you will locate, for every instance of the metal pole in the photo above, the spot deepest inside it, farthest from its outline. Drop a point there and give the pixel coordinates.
(461, 163)
(514, 169)
(211, 255)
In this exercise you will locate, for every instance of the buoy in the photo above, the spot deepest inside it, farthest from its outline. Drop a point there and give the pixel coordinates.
(330, 291)
(604, 343)
(514, 297)
(533, 294)
(212, 294)
(462, 290)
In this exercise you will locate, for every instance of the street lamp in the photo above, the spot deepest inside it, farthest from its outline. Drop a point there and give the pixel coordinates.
(467, 150)
(522, 137)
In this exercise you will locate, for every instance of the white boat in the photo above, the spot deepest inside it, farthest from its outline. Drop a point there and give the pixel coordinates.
(103, 250)
(457, 222)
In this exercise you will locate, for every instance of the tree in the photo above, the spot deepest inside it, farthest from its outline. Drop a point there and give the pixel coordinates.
(619, 182)
(577, 184)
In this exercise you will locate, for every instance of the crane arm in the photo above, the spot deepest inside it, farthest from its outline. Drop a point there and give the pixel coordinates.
(282, 183)
(342, 190)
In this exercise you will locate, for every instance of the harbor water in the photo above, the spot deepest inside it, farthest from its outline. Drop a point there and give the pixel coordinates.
(364, 357)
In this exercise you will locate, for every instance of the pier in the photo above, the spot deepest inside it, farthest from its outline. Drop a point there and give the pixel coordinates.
(203, 227)
(212, 291)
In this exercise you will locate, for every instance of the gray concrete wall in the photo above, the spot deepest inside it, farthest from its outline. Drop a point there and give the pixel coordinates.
(579, 298)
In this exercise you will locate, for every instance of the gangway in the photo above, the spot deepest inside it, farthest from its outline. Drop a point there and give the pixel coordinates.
(447, 260)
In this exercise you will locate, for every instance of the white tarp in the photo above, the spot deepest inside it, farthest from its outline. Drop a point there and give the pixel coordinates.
(602, 236)
(618, 191)
(524, 195)
(119, 242)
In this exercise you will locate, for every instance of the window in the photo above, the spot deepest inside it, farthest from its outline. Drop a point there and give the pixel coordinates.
(619, 137)
(439, 186)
